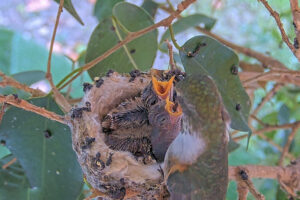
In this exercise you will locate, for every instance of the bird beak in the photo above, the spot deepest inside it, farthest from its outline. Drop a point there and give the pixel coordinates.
(174, 109)
(163, 88)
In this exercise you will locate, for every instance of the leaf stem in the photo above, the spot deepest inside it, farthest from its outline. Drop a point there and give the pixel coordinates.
(173, 37)
(114, 21)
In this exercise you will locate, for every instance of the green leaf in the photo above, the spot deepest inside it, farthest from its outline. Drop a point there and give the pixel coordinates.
(6, 37)
(185, 23)
(212, 58)
(284, 114)
(280, 194)
(103, 8)
(140, 52)
(49, 163)
(13, 182)
(150, 6)
(70, 8)
(3, 151)
(29, 77)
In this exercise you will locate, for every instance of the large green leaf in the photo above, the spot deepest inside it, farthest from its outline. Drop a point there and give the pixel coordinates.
(150, 6)
(140, 52)
(190, 21)
(204, 55)
(49, 162)
(70, 8)
(103, 8)
(13, 182)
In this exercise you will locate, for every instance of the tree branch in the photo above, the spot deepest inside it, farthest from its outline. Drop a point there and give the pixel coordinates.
(267, 98)
(289, 175)
(171, 60)
(13, 100)
(280, 26)
(8, 81)
(296, 21)
(289, 142)
(12, 161)
(60, 99)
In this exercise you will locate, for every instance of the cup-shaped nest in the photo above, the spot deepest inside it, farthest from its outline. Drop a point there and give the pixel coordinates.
(117, 174)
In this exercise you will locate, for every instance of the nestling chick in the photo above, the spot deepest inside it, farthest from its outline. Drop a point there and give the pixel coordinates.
(157, 91)
(128, 128)
(165, 118)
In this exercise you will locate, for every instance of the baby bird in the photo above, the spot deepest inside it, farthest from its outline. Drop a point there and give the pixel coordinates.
(157, 91)
(130, 126)
(165, 119)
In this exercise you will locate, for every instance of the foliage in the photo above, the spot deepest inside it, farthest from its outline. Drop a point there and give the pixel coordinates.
(43, 148)
(46, 167)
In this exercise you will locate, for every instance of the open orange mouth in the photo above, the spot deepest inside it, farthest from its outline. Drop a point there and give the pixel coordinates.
(162, 88)
(174, 109)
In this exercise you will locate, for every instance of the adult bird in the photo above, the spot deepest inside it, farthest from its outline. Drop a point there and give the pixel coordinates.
(196, 163)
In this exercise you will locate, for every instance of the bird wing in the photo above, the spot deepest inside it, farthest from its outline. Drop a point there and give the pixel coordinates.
(196, 163)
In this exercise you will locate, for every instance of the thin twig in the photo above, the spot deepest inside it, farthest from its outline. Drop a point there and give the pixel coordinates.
(12, 161)
(242, 190)
(296, 21)
(258, 120)
(280, 77)
(257, 78)
(13, 100)
(70, 86)
(171, 61)
(245, 184)
(276, 127)
(134, 35)
(288, 143)
(280, 26)
(73, 101)
(262, 136)
(2, 111)
(60, 99)
(9, 81)
(267, 98)
(114, 22)
(269, 128)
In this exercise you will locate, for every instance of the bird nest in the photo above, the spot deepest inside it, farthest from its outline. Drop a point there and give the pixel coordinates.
(117, 170)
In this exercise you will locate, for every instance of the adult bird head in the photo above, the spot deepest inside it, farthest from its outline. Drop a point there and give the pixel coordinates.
(195, 165)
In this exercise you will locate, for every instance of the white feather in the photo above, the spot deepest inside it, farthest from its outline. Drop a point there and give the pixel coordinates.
(187, 147)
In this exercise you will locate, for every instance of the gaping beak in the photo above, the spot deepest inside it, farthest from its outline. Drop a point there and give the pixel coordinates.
(163, 89)
(174, 109)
